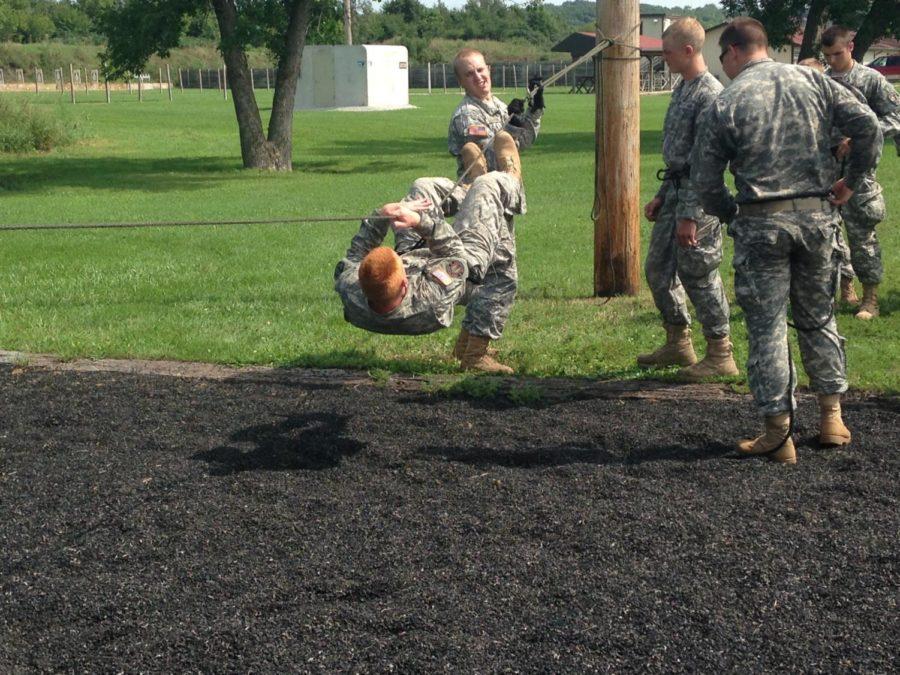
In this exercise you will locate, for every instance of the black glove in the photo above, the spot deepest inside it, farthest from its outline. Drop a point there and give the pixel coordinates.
(516, 107)
(516, 121)
(536, 88)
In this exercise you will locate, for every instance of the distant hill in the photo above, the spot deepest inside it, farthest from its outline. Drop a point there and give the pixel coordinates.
(581, 13)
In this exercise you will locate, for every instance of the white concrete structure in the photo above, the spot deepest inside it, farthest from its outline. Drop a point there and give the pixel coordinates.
(354, 77)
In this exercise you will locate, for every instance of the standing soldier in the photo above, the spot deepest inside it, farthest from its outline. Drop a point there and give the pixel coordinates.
(773, 125)
(866, 208)
(686, 244)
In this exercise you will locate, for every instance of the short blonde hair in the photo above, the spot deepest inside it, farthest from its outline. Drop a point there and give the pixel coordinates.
(464, 54)
(686, 31)
(381, 275)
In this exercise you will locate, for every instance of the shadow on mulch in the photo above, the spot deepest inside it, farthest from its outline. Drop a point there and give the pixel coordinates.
(314, 441)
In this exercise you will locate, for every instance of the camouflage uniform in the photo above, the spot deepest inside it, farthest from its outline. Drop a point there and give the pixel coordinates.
(494, 116)
(672, 269)
(773, 124)
(472, 262)
(866, 207)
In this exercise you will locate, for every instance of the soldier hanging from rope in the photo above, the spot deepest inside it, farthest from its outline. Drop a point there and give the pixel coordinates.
(472, 262)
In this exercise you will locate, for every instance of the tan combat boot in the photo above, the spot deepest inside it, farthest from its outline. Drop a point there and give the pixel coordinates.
(775, 436)
(719, 360)
(473, 157)
(477, 357)
(868, 309)
(459, 349)
(831, 427)
(678, 349)
(848, 292)
(507, 154)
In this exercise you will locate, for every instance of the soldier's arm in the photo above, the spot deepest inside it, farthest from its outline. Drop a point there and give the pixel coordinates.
(442, 241)
(858, 122)
(688, 206)
(713, 149)
(886, 104)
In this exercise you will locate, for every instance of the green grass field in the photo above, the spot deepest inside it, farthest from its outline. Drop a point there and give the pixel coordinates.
(263, 294)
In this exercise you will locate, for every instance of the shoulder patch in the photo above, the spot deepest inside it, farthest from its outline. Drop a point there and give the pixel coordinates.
(440, 276)
(455, 269)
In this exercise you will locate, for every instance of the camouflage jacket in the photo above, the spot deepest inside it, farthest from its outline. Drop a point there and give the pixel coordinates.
(689, 100)
(880, 94)
(494, 117)
(772, 125)
(436, 276)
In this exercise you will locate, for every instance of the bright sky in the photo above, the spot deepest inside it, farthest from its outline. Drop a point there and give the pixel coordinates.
(665, 3)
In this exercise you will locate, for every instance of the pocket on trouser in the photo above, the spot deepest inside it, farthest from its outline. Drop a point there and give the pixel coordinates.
(869, 213)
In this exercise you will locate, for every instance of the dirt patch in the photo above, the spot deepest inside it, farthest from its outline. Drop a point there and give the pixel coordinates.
(276, 520)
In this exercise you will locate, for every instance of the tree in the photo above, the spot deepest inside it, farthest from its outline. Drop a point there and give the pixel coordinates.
(135, 29)
(870, 18)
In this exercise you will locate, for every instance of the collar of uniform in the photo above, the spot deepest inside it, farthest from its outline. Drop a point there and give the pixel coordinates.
(750, 64)
(490, 106)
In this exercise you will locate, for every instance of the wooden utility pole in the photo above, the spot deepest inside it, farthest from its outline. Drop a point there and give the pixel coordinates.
(617, 173)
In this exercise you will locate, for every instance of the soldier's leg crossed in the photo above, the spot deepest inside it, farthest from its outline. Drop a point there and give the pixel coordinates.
(698, 269)
(490, 303)
(482, 220)
(762, 286)
(812, 292)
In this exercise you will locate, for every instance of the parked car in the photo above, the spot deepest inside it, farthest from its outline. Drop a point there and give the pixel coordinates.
(889, 66)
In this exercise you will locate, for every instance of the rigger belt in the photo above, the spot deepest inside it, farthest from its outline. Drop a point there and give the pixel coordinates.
(780, 205)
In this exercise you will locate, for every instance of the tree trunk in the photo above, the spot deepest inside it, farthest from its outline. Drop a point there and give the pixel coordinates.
(281, 122)
(348, 22)
(811, 32)
(872, 26)
(256, 151)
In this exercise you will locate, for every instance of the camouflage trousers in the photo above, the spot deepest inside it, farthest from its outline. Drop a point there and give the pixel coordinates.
(863, 256)
(671, 270)
(781, 258)
(483, 221)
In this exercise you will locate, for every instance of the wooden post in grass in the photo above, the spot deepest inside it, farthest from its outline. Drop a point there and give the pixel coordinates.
(35, 80)
(140, 87)
(106, 87)
(224, 83)
(444, 75)
(267, 78)
(200, 76)
(617, 171)
(504, 75)
(169, 80)
(429, 77)
(72, 81)
(515, 80)
(85, 79)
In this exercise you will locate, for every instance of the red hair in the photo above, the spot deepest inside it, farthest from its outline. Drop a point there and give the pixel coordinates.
(381, 276)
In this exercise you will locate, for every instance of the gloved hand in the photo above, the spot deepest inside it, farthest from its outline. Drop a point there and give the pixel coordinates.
(516, 121)
(536, 88)
(516, 106)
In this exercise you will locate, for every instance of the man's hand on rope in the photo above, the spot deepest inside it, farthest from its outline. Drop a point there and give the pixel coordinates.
(651, 209)
(405, 214)
(840, 194)
(535, 94)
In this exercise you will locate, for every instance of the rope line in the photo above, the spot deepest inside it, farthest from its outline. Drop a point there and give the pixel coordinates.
(188, 223)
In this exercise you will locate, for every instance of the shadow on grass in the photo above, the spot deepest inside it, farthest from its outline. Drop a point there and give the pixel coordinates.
(354, 359)
(157, 174)
(314, 441)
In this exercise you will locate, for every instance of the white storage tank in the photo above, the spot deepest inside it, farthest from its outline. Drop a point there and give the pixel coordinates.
(356, 77)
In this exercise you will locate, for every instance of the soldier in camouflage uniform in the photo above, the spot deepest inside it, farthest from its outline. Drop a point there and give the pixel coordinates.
(866, 208)
(480, 115)
(472, 262)
(476, 121)
(686, 244)
(772, 125)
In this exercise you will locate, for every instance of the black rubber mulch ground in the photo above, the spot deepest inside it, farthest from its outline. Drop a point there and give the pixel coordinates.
(287, 521)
